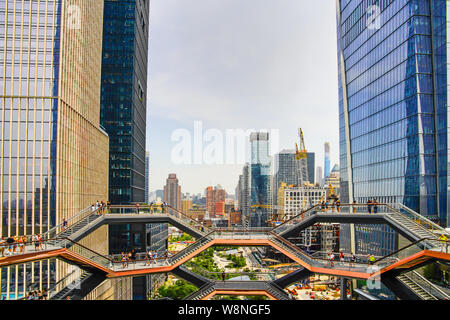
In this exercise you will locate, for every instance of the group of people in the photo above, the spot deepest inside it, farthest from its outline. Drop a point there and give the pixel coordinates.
(150, 257)
(351, 258)
(37, 295)
(17, 244)
(372, 206)
(335, 205)
(163, 206)
(101, 206)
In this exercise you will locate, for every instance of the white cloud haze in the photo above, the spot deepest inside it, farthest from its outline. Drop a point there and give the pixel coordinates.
(240, 64)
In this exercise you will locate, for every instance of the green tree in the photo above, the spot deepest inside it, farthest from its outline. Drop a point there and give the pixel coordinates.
(177, 291)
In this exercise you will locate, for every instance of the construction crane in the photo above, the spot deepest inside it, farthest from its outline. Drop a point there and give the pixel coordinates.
(302, 163)
(332, 194)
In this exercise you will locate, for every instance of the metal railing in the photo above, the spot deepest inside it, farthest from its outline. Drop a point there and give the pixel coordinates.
(426, 285)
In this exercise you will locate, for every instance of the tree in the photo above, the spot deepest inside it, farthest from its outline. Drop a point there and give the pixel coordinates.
(177, 291)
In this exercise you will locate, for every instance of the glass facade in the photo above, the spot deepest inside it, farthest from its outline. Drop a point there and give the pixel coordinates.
(49, 124)
(123, 96)
(285, 170)
(260, 179)
(393, 109)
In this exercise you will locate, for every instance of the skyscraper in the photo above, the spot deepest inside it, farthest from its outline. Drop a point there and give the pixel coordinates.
(393, 109)
(319, 178)
(172, 192)
(311, 160)
(54, 152)
(260, 179)
(147, 177)
(245, 195)
(327, 168)
(285, 170)
(123, 96)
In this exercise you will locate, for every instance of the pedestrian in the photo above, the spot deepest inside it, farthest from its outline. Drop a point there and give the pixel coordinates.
(137, 208)
(25, 239)
(39, 238)
(148, 258)
(375, 207)
(108, 204)
(133, 256)
(44, 294)
(371, 259)
(10, 241)
(341, 256)
(338, 206)
(352, 259)
(124, 260)
(223, 275)
(2, 247)
(64, 224)
(93, 208)
(155, 256)
(15, 244)
(36, 242)
(322, 206)
(354, 206)
(369, 206)
(331, 257)
(444, 242)
(20, 241)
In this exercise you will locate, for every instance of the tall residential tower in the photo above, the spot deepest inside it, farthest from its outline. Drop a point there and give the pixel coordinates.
(124, 96)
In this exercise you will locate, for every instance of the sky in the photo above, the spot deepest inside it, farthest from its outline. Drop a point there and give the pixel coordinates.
(237, 64)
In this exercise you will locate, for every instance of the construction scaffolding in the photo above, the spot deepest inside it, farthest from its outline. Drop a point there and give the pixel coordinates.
(319, 237)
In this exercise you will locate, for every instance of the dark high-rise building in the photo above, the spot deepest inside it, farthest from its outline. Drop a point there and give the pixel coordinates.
(286, 170)
(123, 115)
(147, 177)
(393, 83)
(123, 96)
(311, 160)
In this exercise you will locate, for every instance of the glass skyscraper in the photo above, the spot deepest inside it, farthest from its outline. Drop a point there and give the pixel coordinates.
(327, 164)
(124, 96)
(53, 151)
(393, 109)
(123, 114)
(260, 179)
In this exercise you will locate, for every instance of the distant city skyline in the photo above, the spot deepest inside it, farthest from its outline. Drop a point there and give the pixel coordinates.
(246, 75)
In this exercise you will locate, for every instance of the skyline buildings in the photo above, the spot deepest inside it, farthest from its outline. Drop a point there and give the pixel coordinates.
(213, 197)
(172, 192)
(124, 96)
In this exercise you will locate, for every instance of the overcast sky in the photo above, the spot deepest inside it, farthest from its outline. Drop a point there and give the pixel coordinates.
(240, 64)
